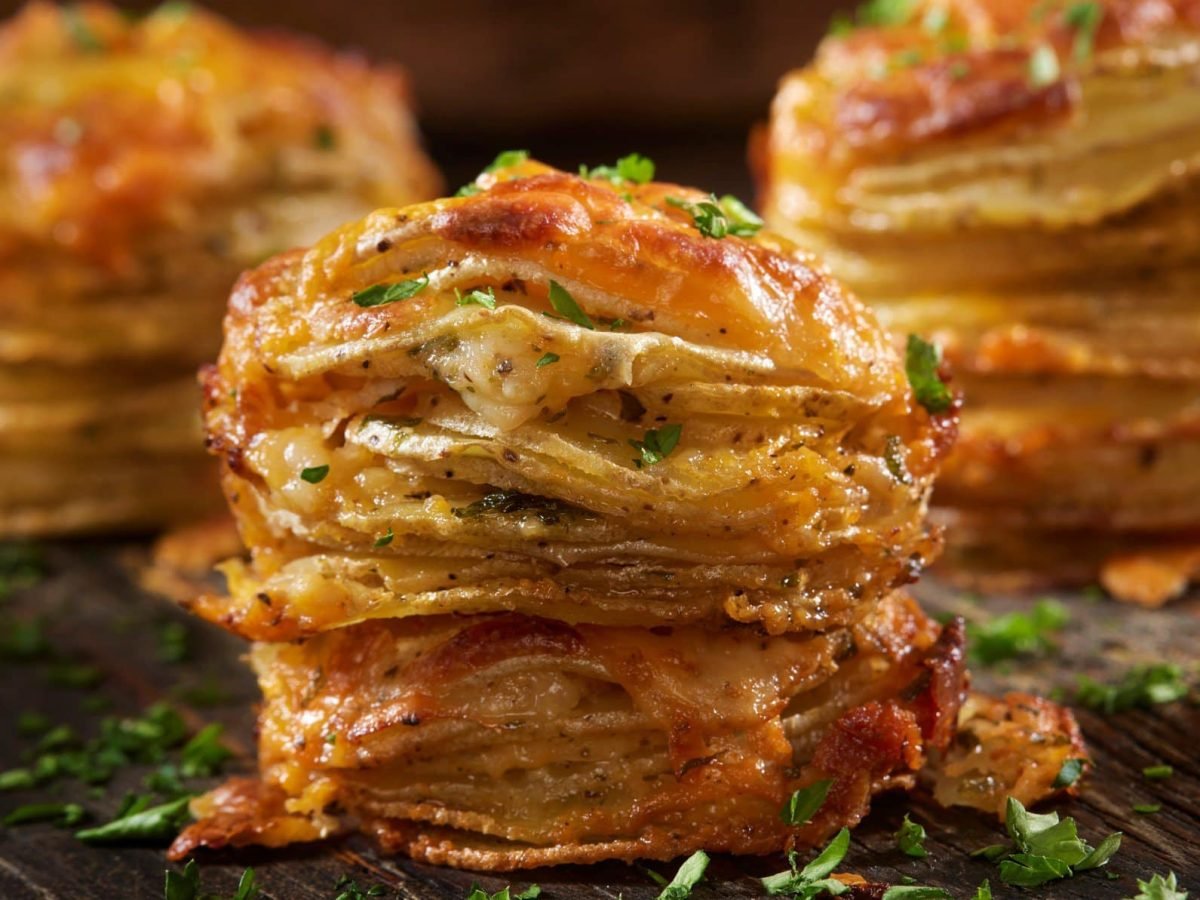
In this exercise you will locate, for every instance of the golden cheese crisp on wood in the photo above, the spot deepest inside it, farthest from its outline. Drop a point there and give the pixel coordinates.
(1019, 180)
(144, 162)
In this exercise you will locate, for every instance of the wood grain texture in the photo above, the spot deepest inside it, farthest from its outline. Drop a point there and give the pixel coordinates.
(96, 614)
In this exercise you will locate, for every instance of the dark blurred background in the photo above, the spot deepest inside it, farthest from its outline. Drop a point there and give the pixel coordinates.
(679, 80)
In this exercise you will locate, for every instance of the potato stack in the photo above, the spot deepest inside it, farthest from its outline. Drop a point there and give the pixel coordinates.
(1020, 180)
(143, 164)
(577, 510)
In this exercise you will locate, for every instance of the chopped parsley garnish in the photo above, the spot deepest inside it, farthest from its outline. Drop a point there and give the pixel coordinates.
(386, 539)
(1068, 773)
(1043, 66)
(21, 566)
(506, 158)
(172, 642)
(886, 13)
(383, 294)
(1142, 686)
(814, 878)
(153, 823)
(80, 30)
(893, 458)
(688, 876)
(1016, 634)
(1159, 888)
(921, 361)
(634, 167)
(314, 474)
(984, 891)
(1084, 19)
(656, 445)
(185, 885)
(564, 304)
(204, 754)
(64, 815)
(804, 803)
(324, 137)
(486, 299)
(470, 189)
(874, 13)
(348, 889)
(74, 675)
(477, 893)
(548, 359)
(1146, 809)
(1045, 848)
(1158, 773)
(22, 641)
(716, 218)
(910, 838)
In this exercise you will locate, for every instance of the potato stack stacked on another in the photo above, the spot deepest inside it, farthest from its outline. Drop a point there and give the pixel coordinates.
(1020, 179)
(577, 510)
(144, 163)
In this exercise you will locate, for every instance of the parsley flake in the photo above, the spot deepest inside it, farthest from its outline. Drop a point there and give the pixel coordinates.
(916, 892)
(64, 815)
(80, 30)
(656, 445)
(921, 362)
(718, 217)
(634, 167)
(1084, 19)
(804, 803)
(1142, 686)
(1045, 848)
(507, 158)
(1158, 773)
(1016, 634)
(688, 876)
(530, 893)
(155, 823)
(1159, 888)
(548, 359)
(564, 304)
(383, 294)
(479, 298)
(185, 885)
(1068, 773)
(314, 474)
(324, 137)
(814, 877)
(386, 539)
(910, 838)
(1146, 809)
(348, 889)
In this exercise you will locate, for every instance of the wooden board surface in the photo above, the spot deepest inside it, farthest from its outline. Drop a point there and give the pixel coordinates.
(96, 614)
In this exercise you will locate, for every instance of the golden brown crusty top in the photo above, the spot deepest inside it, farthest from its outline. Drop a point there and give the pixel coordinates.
(912, 71)
(623, 251)
(111, 126)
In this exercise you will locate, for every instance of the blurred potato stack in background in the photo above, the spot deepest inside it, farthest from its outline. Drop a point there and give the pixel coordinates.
(144, 162)
(1019, 179)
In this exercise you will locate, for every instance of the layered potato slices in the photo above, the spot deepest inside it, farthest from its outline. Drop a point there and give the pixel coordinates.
(145, 162)
(1019, 179)
(576, 510)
